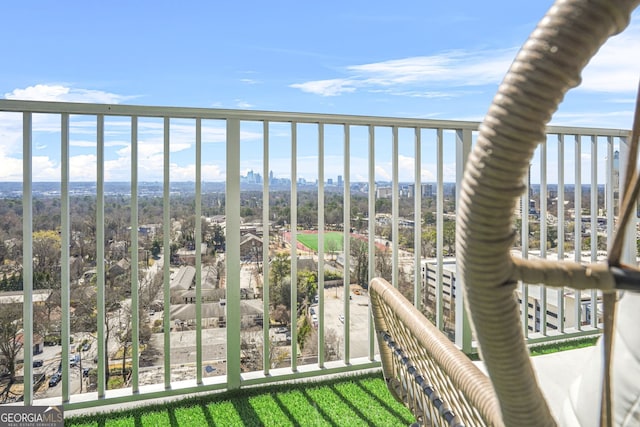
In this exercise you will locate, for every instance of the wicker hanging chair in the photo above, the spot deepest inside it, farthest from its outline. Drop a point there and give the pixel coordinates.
(455, 392)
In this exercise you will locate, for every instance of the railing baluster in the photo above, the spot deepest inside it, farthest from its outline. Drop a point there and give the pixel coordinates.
(103, 344)
(609, 189)
(594, 223)
(347, 236)
(294, 246)
(463, 325)
(395, 186)
(524, 237)
(561, 291)
(543, 233)
(266, 318)
(27, 254)
(166, 272)
(372, 225)
(135, 280)
(577, 225)
(417, 217)
(321, 320)
(198, 241)
(232, 269)
(65, 234)
(439, 235)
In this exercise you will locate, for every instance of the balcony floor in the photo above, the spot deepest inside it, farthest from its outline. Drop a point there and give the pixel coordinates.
(343, 401)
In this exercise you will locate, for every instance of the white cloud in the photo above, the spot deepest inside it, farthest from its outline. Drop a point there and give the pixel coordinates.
(243, 104)
(11, 168)
(331, 87)
(421, 93)
(615, 67)
(612, 119)
(46, 139)
(382, 173)
(457, 68)
(82, 167)
(426, 175)
(45, 92)
(182, 173)
(212, 173)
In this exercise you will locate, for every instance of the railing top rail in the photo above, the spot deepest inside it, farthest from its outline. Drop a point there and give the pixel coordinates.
(222, 114)
(47, 107)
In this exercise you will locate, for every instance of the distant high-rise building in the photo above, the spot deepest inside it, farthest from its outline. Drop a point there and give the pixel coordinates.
(330, 181)
(384, 192)
(340, 181)
(427, 190)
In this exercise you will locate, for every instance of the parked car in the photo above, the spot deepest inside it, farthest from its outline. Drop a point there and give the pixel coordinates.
(281, 330)
(38, 363)
(86, 346)
(341, 318)
(54, 380)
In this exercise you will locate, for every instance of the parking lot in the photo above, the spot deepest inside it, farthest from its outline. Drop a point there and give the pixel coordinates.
(334, 308)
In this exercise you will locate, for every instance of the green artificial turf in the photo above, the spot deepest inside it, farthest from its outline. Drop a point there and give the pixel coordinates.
(541, 349)
(310, 240)
(351, 401)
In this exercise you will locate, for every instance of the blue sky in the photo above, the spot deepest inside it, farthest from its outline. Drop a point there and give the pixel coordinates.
(441, 60)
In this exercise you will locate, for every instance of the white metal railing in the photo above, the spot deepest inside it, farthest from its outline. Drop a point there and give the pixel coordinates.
(447, 142)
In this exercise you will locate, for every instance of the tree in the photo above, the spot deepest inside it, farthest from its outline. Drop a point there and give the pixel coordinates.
(281, 314)
(405, 283)
(307, 285)
(218, 237)
(360, 257)
(124, 335)
(10, 343)
(42, 314)
(383, 263)
(4, 252)
(429, 218)
(449, 236)
(280, 268)
(429, 242)
(552, 237)
(46, 252)
(332, 248)
(149, 287)
(304, 331)
(280, 288)
(156, 248)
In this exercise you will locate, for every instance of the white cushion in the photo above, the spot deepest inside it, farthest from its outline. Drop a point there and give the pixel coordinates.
(582, 407)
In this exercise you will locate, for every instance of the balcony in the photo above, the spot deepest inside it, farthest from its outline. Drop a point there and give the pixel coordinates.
(171, 273)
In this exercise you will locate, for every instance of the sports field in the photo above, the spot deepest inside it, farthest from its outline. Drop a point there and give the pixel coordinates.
(310, 240)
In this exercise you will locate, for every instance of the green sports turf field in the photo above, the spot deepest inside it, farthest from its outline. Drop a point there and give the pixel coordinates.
(310, 240)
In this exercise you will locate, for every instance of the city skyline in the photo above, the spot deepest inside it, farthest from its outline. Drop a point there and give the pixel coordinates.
(441, 61)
